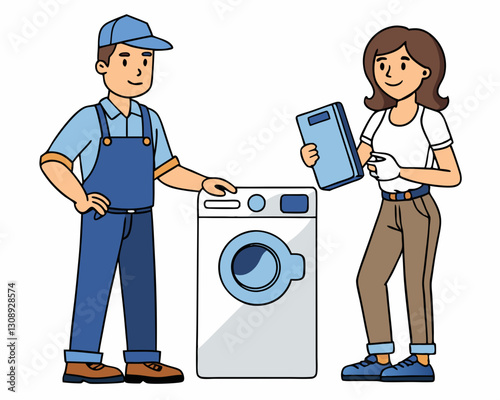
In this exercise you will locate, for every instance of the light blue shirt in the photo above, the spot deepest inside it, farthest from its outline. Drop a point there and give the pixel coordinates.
(81, 134)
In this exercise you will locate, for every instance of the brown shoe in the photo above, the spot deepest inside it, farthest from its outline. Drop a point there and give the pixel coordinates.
(91, 373)
(152, 372)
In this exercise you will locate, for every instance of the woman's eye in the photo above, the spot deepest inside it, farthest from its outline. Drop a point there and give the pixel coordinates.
(145, 62)
(403, 66)
(124, 63)
(382, 66)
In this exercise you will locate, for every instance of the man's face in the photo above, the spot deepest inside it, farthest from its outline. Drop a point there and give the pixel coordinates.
(130, 71)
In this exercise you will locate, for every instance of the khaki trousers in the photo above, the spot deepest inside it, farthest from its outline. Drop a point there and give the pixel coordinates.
(409, 228)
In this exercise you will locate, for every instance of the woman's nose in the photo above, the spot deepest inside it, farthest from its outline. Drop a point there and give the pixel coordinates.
(388, 70)
(139, 72)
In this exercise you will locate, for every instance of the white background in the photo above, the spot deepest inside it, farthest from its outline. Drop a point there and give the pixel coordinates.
(234, 66)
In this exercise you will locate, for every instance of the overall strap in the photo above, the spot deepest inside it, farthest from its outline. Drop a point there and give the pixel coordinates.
(146, 122)
(102, 121)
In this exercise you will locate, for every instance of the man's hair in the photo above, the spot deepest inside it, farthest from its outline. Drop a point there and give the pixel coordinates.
(105, 52)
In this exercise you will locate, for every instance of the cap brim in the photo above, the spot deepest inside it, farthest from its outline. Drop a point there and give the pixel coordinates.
(150, 43)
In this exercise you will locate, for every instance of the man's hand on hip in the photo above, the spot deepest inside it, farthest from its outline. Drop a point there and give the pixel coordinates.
(94, 200)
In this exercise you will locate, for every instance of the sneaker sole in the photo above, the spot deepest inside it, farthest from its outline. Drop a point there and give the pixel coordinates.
(149, 379)
(360, 377)
(80, 379)
(407, 378)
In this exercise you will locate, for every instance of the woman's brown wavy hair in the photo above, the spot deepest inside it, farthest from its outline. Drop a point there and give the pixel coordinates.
(422, 48)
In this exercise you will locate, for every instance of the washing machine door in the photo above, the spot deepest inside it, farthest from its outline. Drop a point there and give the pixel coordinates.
(257, 267)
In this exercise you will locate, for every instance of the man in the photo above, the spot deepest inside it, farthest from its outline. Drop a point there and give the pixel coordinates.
(122, 148)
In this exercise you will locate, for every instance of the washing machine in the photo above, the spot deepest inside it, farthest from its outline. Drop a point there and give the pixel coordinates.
(256, 300)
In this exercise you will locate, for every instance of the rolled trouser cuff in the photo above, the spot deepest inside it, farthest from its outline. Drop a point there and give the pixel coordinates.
(423, 348)
(139, 356)
(82, 356)
(380, 348)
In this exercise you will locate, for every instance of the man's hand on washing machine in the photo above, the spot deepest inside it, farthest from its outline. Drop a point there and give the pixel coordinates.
(183, 178)
(217, 187)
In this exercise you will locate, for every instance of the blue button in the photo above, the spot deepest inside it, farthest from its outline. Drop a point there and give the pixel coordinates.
(256, 203)
(294, 203)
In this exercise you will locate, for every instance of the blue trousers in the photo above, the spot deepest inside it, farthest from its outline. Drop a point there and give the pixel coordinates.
(115, 239)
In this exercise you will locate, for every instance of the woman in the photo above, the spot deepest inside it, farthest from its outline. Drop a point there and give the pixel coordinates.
(407, 146)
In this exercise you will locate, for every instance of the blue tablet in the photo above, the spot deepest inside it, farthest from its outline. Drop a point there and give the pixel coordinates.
(338, 162)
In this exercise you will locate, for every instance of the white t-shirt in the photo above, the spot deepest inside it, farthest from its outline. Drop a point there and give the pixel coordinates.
(411, 144)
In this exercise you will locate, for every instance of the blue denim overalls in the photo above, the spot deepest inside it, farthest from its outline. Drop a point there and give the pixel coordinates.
(124, 173)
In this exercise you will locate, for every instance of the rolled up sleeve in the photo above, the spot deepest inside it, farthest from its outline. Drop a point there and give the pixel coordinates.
(60, 158)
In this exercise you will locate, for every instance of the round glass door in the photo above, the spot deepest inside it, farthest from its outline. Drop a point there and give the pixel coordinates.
(257, 267)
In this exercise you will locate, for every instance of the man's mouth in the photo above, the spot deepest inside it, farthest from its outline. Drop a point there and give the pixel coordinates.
(393, 84)
(133, 83)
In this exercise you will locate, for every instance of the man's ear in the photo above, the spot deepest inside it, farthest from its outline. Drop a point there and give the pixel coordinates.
(101, 67)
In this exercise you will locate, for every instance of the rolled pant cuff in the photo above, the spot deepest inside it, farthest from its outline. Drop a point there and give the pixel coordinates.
(141, 356)
(423, 348)
(82, 356)
(380, 348)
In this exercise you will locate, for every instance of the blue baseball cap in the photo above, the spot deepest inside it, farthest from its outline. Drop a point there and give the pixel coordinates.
(131, 31)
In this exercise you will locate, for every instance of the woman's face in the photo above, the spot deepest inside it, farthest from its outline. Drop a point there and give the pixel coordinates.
(397, 74)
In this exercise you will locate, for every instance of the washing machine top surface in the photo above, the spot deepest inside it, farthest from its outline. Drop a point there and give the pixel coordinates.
(257, 202)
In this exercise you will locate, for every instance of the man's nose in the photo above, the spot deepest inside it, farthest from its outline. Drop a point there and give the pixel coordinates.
(139, 72)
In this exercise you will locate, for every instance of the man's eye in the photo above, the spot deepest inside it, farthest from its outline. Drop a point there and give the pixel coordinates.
(124, 63)
(145, 62)
(382, 66)
(403, 66)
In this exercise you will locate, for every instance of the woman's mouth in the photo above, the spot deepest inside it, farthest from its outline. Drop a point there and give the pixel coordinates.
(133, 83)
(393, 84)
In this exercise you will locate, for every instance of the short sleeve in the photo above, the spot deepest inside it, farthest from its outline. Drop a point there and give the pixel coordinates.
(372, 126)
(436, 129)
(74, 137)
(164, 161)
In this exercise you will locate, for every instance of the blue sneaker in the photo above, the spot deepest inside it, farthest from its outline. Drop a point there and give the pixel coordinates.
(409, 370)
(367, 370)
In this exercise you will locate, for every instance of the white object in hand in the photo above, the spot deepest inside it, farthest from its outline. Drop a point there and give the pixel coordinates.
(386, 167)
